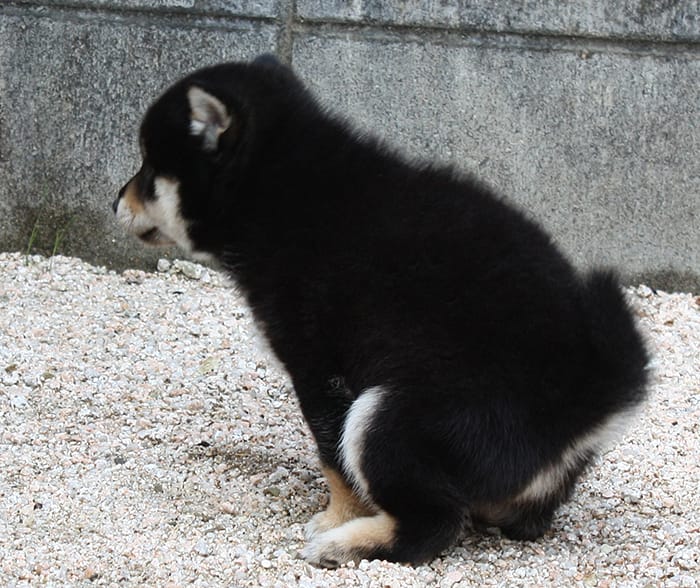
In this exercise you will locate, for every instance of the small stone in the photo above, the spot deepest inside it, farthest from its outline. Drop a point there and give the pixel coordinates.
(644, 292)
(209, 365)
(188, 269)
(195, 406)
(163, 265)
(202, 548)
(227, 508)
(280, 474)
(19, 401)
(633, 496)
(32, 380)
(10, 378)
(451, 579)
(134, 276)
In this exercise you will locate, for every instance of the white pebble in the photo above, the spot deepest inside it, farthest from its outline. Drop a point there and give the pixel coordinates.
(190, 270)
(163, 265)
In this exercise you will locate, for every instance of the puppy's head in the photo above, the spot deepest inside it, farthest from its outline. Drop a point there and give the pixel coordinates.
(192, 141)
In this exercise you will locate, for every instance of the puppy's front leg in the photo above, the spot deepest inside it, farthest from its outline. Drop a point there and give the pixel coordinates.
(325, 409)
(343, 505)
(324, 403)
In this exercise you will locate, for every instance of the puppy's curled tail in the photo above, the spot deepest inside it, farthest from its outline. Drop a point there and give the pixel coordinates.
(619, 352)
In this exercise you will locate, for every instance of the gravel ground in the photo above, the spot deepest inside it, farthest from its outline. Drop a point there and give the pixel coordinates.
(146, 438)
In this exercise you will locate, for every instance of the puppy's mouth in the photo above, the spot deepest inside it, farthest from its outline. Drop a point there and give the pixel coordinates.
(155, 237)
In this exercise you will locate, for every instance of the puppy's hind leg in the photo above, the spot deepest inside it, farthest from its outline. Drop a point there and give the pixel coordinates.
(528, 515)
(525, 521)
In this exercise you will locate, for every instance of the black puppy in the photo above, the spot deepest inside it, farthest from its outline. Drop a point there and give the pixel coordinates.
(446, 356)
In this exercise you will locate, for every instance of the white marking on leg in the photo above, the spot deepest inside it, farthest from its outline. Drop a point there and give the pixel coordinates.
(358, 423)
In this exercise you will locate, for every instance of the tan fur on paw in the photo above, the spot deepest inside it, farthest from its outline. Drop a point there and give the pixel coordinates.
(351, 541)
(343, 506)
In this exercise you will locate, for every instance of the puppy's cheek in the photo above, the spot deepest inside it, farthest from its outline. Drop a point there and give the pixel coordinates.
(165, 212)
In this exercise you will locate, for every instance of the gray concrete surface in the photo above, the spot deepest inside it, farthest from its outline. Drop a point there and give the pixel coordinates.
(585, 114)
(669, 20)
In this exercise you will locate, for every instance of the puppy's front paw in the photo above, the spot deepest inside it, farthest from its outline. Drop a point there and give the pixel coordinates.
(319, 523)
(326, 548)
(364, 537)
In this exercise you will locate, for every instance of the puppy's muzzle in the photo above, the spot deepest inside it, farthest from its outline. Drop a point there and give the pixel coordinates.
(115, 204)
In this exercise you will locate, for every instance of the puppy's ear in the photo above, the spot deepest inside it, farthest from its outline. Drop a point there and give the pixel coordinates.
(268, 60)
(209, 117)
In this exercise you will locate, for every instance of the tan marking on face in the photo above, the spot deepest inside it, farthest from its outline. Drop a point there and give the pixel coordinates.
(131, 197)
(131, 210)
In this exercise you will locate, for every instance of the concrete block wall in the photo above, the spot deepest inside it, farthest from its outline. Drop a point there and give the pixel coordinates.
(585, 113)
